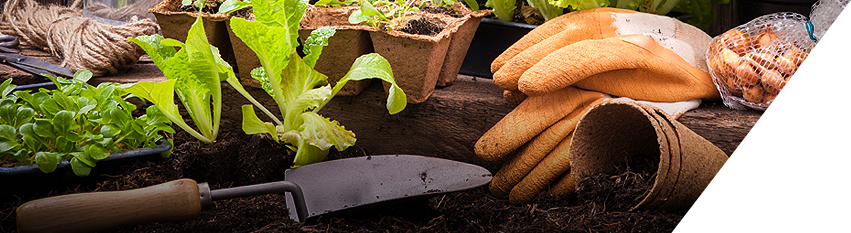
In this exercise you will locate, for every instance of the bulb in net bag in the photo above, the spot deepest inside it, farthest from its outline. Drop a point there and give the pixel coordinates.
(750, 64)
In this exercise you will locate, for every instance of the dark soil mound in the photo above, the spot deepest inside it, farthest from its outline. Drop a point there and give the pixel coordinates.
(422, 26)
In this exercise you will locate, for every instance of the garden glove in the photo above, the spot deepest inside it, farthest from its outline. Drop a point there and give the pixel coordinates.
(584, 52)
(530, 118)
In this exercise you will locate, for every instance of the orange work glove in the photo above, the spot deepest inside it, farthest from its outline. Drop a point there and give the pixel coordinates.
(624, 53)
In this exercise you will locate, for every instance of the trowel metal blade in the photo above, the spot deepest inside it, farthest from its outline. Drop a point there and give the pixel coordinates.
(346, 183)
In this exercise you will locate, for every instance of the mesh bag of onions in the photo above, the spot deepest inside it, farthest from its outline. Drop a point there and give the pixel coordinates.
(784, 63)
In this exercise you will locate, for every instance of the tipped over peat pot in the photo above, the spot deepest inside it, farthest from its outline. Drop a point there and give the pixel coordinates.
(613, 136)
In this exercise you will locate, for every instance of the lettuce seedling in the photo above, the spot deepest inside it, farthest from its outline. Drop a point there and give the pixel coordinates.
(300, 91)
(75, 122)
(194, 73)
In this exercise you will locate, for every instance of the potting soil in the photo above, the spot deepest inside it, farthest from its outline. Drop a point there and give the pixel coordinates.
(237, 159)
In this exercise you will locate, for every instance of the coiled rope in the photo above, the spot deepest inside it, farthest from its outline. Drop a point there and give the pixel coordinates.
(82, 43)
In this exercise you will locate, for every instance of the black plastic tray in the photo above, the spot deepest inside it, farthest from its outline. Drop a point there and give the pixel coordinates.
(162, 146)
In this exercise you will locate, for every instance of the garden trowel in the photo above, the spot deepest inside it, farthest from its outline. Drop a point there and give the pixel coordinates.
(311, 190)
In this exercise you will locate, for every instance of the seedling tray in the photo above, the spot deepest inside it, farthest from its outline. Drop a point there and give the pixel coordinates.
(28, 179)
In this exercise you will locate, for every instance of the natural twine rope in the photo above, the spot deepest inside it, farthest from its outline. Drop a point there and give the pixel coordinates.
(82, 42)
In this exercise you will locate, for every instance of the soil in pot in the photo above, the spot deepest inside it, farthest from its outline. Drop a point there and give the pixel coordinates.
(620, 192)
(422, 26)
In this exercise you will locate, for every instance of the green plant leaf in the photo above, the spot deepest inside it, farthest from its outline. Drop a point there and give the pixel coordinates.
(161, 94)
(274, 54)
(96, 152)
(8, 133)
(44, 128)
(203, 65)
(82, 76)
(173, 64)
(195, 97)
(307, 154)
(47, 161)
(63, 122)
(109, 131)
(371, 66)
(285, 14)
(472, 4)
(84, 158)
(65, 103)
(324, 133)
(8, 146)
(504, 9)
(154, 116)
(357, 17)
(79, 167)
(8, 110)
(252, 124)
(87, 104)
(315, 42)
(229, 6)
(547, 10)
(702, 11)
(368, 10)
(25, 115)
(299, 93)
(6, 87)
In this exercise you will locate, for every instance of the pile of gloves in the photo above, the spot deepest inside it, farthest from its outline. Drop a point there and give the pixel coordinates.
(562, 68)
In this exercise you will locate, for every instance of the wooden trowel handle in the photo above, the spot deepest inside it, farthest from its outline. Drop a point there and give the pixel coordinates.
(86, 212)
